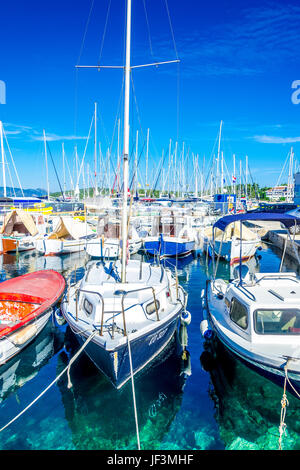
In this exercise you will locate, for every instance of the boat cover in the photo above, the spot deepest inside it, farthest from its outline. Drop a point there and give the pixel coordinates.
(232, 229)
(69, 228)
(285, 219)
(19, 222)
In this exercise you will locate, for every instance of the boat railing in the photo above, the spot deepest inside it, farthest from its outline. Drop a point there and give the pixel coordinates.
(277, 276)
(123, 294)
(87, 291)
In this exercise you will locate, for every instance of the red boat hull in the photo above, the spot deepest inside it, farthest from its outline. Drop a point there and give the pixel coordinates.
(25, 298)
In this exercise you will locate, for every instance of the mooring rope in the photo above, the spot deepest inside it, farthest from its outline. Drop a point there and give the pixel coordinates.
(67, 369)
(285, 403)
(133, 395)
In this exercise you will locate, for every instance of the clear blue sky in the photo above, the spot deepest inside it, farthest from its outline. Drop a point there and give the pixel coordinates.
(238, 62)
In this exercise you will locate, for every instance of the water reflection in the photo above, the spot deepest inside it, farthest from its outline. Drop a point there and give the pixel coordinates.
(247, 405)
(26, 365)
(100, 416)
(27, 262)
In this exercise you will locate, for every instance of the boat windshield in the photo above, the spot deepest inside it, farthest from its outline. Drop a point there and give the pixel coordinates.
(277, 322)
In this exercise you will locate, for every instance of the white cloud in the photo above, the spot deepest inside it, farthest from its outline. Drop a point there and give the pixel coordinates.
(54, 137)
(269, 139)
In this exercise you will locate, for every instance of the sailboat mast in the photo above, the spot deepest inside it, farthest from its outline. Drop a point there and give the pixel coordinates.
(3, 160)
(95, 150)
(64, 169)
(126, 143)
(46, 160)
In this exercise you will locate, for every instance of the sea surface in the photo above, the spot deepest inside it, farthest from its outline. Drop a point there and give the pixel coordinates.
(182, 403)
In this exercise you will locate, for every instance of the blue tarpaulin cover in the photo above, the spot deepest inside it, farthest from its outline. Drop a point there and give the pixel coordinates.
(285, 219)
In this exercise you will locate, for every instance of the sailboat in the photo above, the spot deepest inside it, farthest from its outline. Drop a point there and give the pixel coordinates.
(124, 312)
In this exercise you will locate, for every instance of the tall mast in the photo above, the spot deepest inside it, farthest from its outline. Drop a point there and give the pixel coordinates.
(222, 173)
(95, 150)
(290, 186)
(233, 179)
(147, 151)
(246, 178)
(218, 158)
(3, 160)
(170, 143)
(196, 176)
(126, 143)
(136, 159)
(64, 169)
(46, 160)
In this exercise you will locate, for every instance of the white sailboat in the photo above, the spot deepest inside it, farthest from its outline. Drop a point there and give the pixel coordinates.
(125, 312)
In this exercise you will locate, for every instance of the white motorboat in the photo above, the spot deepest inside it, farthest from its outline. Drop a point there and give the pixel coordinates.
(257, 317)
(107, 244)
(20, 230)
(68, 236)
(230, 240)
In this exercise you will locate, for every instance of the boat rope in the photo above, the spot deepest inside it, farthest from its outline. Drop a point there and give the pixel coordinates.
(67, 369)
(133, 395)
(285, 403)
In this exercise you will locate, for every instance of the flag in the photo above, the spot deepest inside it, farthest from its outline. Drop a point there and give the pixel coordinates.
(233, 178)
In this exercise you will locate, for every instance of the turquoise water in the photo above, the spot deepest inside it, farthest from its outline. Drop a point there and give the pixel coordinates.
(181, 404)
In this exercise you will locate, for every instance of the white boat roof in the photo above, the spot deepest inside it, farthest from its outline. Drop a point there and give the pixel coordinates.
(280, 290)
(136, 273)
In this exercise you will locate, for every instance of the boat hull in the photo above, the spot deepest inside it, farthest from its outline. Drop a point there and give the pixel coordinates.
(168, 247)
(14, 244)
(271, 372)
(16, 342)
(231, 250)
(26, 304)
(110, 249)
(115, 365)
(59, 247)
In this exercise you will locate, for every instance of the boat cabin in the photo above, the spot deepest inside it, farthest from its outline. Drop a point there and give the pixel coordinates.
(260, 308)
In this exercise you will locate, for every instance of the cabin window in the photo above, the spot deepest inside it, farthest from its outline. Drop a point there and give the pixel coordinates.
(239, 314)
(277, 322)
(88, 306)
(150, 308)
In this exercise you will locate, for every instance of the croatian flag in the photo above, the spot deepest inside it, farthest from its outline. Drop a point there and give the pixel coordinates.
(233, 178)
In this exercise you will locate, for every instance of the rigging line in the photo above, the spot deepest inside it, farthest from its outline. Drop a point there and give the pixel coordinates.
(114, 130)
(148, 28)
(136, 105)
(11, 181)
(171, 27)
(104, 32)
(78, 61)
(55, 169)
(17, 175)
(85, 31)
(178, 100)
(86, 144)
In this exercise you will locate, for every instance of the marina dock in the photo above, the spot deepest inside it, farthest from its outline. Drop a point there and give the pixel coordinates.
(272, 232)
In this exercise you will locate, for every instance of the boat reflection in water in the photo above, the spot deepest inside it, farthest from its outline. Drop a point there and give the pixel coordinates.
(247, 404)
(102, 417)
(26, 365)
